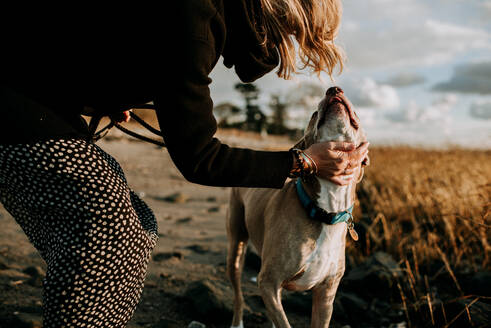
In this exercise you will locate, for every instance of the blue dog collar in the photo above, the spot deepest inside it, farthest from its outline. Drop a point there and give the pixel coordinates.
(319, 214)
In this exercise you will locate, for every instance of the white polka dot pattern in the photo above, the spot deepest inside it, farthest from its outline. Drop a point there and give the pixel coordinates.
(73, 202)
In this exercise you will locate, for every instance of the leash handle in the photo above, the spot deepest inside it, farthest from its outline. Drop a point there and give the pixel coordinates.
(139, 136)
(145, 124)
(97, 135)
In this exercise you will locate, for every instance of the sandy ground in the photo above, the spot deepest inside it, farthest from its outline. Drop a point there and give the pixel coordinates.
(192, 228)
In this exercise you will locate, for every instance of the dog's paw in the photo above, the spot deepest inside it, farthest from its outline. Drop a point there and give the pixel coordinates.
(241, 325)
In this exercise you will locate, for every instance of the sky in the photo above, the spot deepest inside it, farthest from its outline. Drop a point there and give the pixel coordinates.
(418, 72)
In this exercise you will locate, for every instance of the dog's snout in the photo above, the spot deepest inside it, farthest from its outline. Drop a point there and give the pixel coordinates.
(333, 91)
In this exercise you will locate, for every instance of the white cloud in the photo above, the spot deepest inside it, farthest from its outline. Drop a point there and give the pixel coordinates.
(481, 109)
(438, 111)
(368, 93)
(368, 117)
(469, 78)
(486, 9)
(379, 33)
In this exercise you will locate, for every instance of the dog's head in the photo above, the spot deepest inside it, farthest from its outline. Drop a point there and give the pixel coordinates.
(334, 120)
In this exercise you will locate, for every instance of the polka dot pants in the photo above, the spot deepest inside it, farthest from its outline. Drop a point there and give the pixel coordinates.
(73, 202)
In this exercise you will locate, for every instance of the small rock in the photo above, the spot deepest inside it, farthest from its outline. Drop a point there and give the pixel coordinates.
(214, 209)
(167, 255)
(178, 198)
(196, 324)
(200, 249)
(209, 302)
(184, 220)
(374, 277)
(386, 261)
(354, 306)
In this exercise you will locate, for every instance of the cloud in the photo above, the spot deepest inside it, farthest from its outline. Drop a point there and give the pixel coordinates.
(438, 111)
(368, 93)
(378, 33)
(468, 78)
(486, 10)
(481, 109)
(405, 79)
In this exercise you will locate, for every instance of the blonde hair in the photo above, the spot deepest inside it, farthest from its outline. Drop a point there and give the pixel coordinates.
(314, 24)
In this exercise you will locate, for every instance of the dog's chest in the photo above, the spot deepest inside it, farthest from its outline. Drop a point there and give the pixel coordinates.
(327, 258)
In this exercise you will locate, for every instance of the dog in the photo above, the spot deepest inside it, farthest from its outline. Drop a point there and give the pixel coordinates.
(298, 252)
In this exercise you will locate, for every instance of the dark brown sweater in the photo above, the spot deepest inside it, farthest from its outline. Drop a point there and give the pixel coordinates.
(60, 61)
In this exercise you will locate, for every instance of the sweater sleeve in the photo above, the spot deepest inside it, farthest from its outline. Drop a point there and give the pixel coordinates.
(184, 110)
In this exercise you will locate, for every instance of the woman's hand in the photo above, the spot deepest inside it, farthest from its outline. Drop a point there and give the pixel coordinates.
(121, 117)
(337, 161)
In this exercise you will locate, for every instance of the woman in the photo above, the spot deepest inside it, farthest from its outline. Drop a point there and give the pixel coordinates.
(70, 197)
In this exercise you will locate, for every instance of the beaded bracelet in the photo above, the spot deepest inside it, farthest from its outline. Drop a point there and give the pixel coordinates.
(305, 164)
(310, 163)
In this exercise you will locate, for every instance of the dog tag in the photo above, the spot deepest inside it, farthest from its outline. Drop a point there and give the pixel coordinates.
(351, 228)
(353, 234)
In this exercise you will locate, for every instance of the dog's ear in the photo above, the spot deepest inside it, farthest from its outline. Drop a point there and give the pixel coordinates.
(365, 162)
(362, 172)
(308, 136)
(300, 144)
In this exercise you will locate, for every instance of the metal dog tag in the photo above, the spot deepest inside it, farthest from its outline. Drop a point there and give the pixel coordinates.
(353, 234)
(351, 229)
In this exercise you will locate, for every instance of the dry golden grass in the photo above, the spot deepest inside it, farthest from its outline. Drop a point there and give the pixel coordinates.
(431, 211)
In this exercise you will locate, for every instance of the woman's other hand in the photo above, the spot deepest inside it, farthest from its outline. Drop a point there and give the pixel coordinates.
(337, 161)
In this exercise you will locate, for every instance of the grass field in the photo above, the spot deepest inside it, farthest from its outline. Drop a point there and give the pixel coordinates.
(431, 211)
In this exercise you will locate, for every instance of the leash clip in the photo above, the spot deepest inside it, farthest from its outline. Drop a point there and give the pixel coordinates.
(351, 228)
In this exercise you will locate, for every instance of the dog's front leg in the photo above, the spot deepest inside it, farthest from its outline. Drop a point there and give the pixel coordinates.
(323, 299)
(271, 295)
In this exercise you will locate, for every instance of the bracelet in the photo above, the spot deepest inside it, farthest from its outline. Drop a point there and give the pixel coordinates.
(305, 164)
(297, 169)
(312, 166)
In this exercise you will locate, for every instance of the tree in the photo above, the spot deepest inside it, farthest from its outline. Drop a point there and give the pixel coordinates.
(255, 118)
(278, 108)
(227, 114)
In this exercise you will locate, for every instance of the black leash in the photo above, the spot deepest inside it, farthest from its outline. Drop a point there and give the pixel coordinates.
(97, 135)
